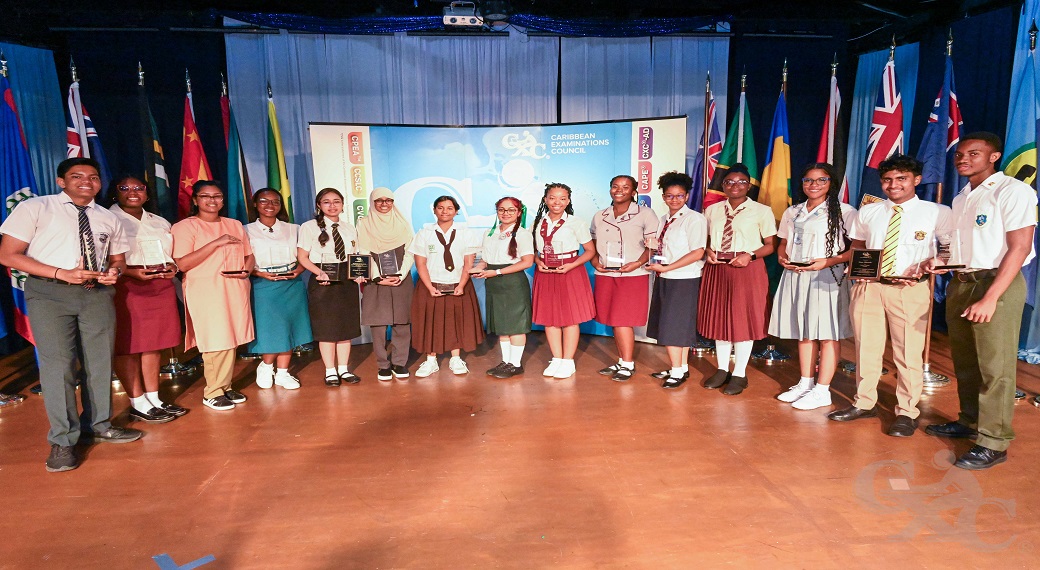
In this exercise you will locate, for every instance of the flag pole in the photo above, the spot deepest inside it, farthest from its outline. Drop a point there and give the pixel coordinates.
(705, 139)
(3, 64)
(934, 379)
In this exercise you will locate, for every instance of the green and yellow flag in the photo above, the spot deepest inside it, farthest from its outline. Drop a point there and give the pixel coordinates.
(277, 176)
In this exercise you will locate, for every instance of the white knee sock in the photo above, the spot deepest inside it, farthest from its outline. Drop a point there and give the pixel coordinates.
(723, 348)
(507, 352)
(743, 352)
(515, 353)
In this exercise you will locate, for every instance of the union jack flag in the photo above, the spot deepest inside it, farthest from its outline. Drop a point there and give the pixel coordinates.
(79, 128)
(886, 133)
(699, 198)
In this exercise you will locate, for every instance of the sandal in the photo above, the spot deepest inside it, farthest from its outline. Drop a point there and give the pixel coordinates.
(674, 382)
(622, 374)
(332, 380)
(349, 378)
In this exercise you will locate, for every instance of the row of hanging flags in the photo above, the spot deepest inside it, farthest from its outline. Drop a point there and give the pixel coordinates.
(18, 183)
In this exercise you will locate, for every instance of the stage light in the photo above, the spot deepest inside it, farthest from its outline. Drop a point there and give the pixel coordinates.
(495, 10)
(462, 15)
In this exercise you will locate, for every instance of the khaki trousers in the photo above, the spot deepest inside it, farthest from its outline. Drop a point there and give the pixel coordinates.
(903, 311)
(219, 368)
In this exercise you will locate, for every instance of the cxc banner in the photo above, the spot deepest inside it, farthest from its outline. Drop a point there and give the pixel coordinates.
(478, 165)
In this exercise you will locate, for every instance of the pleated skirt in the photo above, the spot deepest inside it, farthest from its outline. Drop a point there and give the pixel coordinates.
(562, 300)
(147, 317)
(732, 303)
(441, 324)
(507, 303)
(811, 305)
(335, 310)
(673, 311)
(280, 316)
(622, 301)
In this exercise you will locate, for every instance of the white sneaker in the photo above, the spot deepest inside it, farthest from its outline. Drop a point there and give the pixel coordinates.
(458, 366)
(550, 370)
(565, 370)
(795, 392)
(264, 376)
(813, 399)
(426, 368)
(287, 381)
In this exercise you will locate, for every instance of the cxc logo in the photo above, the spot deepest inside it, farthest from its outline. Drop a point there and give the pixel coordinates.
(886, 487)
(524, 145)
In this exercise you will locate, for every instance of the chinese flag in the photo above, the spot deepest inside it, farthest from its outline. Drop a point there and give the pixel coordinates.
(194, 166)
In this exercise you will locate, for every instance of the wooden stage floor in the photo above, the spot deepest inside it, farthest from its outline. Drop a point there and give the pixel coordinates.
(471, 472)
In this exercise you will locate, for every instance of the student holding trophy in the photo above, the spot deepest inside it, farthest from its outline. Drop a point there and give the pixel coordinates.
(811, 304)
(508, 251)
(622, 291)
(562, 293)
(385, 234)
(445, 311)
(279, 295)
(216, 259)
(732, 305)
(147, 317)
(677, 259)
(333, 300)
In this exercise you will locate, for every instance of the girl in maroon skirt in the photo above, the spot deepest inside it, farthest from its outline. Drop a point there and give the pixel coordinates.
(735, 286)
(562, 293)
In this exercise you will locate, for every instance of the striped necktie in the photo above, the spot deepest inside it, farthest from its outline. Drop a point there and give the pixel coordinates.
(337, 243)
(888, 254)
(86, 245)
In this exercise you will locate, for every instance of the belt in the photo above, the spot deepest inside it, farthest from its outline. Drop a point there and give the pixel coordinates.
(974, 276)
(62, 282)
(888, 281)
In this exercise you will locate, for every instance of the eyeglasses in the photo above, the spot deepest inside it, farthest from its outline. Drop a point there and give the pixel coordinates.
(736, 183)
(269, 201)
(820, 180)
(384, 200)
(331, 202)
(124, 188)
(212, 197)
(507, 210)
(675, 197)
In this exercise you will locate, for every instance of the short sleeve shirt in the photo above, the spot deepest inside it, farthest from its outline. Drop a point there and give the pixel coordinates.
(752, 224)
(687, 231)
(427, 245)
(806, 230)
(629, 230)
(496, 245)
(273, 247)
(917, 229)
(50, 225)
(149, 228)
(982, 216)
(310, 233)
(572, 233)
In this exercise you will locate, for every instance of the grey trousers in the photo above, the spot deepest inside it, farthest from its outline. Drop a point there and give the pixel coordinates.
(400, 341)
(67, 320)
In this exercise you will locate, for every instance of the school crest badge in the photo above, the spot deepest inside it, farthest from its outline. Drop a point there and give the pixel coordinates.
(919, 236)
(980, 220)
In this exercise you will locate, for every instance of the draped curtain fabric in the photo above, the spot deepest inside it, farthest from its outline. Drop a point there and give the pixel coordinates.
(383, 80)
(34, 82)
(864, 97)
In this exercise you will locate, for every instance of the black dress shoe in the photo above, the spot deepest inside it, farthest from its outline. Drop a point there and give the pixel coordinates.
(950, 429)
(904, 426)
(332, 380)
(735, 385)
(118, 435)
(673, 383)
(662, 374)
(623, 374)
(235, 396)
(852, 413)
(173, 409)
(610, 370)
(979, 457)
(153, 415)
(716, 380)
(508, 371)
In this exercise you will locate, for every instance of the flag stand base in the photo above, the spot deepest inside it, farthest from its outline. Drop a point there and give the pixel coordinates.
(770, 355)
(934, 380)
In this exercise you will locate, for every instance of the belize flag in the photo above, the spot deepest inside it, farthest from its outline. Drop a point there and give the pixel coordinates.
(17, 184)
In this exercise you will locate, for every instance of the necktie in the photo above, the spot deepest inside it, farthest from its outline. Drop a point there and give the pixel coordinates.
(449, 263)
(337, 243)
(664, 230)
(86, 244)
(727, 231)
(888, 254)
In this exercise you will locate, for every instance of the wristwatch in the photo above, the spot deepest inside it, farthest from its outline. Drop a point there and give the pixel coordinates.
(498, 272)
(753, 256)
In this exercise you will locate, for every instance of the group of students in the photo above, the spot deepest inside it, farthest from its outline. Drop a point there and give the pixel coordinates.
(243, 285)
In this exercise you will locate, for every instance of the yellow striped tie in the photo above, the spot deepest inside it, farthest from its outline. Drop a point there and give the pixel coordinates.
(888, 254)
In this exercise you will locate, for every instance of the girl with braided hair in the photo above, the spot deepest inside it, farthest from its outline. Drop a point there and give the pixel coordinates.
(812, 302)
(334, 306)
(508, 251)
(562, 292)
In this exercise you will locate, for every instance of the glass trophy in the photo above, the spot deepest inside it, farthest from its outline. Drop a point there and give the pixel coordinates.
(152, 256)
(331, 266)
(389, 262)
(279, 260)
(234, 260)
(919, 251)
(803, 247)
(478, 259)
(948, 246)
(612, 256)
(445, 288)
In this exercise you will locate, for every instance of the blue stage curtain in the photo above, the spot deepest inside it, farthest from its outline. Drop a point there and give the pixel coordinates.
(34, 82)
(868, 78)
(433, 80)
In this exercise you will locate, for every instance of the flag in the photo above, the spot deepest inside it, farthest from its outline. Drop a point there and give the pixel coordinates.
(194, 166)
(17, 183)
(938, 143)
(740, 147)
(79, 128)
(832, 139)
(700, 198)
(776, 176)
(154, 160)
(886, 134)
(240, 205)
(277, 176)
